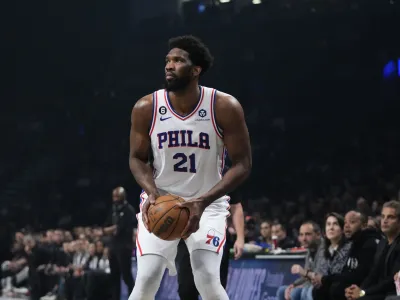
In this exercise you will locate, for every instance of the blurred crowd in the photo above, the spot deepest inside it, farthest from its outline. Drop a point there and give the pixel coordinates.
(350, 258)
(58, 263)
(75, 264)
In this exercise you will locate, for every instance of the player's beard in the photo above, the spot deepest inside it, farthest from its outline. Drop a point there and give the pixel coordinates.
(178, 83)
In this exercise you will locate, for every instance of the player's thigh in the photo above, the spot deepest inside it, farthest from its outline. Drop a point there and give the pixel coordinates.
(148, 243)
(205, 266)
(211, 234)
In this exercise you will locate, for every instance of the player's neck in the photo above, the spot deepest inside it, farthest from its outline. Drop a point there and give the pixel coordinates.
(184, 101)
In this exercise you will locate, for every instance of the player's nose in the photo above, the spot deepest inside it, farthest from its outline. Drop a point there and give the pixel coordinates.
(169, 66)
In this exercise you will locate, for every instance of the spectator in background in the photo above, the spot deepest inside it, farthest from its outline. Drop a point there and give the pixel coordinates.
(120, 226)
(38, 258)
(333, 257)
(250, 230)
(363, 206)
(73, 286)
(362, 252)
(97, 272)
(379, 282)
(374, 223)
(309, 238)
(264, 240)
(15, 271)
(280, 232)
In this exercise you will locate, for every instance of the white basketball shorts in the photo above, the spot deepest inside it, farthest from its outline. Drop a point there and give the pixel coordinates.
(210, 236)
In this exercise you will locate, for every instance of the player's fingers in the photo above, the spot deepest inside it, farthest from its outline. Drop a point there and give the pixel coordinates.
(185, 231)
(183, 205)
(235, 251)
(151, 199)
(190, 228)
(144, 215)
(239, 252)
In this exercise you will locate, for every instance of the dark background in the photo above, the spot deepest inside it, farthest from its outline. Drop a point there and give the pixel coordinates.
(323, 118)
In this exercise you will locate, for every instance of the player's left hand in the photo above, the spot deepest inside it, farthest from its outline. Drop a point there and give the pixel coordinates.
(196, 208)
(238, 248)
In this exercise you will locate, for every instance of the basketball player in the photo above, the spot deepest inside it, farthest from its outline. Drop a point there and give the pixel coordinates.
(187, 128)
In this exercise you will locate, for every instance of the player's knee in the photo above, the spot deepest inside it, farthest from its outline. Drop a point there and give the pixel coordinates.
(206, 266)
(150, 271)
(206, 281)
(209, 286)
(148, 278)
(146, 286)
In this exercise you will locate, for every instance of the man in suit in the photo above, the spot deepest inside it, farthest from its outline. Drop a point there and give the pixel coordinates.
(379, 284)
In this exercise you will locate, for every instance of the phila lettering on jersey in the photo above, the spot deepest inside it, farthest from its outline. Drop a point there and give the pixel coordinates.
(189, 153)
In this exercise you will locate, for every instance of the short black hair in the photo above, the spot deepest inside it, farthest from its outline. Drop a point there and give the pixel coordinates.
(269, 222)
(363, 217)
(199, 54)
(283, 226)
(316, 227)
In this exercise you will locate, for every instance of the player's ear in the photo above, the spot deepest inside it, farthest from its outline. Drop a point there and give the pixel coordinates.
(196, 71)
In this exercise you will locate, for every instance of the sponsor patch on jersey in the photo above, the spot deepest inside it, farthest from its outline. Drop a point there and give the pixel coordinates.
(203, 115)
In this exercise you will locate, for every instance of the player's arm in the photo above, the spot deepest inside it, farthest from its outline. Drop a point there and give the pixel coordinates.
(238, 224)
(230, 118)
(238, 220)
(110, 230)
(140, 144)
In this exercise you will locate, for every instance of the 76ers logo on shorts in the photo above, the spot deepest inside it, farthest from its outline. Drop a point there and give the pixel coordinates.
(212, 239)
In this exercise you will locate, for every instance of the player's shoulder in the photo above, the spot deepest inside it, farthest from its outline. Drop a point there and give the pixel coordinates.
(142, 111)
(144, 103)
(147, 102)
(225, 99)
(226, 102)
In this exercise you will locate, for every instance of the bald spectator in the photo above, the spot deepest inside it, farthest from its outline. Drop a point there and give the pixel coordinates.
(120, 227)
(364, 244)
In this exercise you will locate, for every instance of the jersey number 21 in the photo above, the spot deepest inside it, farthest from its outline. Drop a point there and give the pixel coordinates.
(183, 164)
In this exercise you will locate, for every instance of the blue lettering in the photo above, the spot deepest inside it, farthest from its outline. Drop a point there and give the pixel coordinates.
(190, 143)
(183, 138)
(162, 138)
(204, 141)
(173, 139)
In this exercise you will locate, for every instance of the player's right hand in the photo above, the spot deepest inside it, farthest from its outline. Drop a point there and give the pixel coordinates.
(151, 199)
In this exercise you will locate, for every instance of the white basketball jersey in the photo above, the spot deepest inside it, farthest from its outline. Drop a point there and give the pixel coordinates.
(188, 151)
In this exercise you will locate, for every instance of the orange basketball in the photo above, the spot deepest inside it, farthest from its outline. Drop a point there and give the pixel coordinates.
(166, 220)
